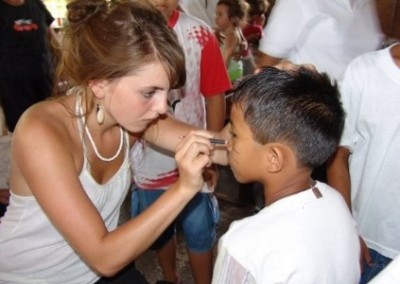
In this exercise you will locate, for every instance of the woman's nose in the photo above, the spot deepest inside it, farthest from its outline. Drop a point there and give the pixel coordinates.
(162, 105)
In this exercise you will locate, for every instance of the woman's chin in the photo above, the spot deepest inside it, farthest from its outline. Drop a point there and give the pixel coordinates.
(138, 128)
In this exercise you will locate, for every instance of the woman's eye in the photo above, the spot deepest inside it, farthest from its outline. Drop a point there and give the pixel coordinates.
(149, 94)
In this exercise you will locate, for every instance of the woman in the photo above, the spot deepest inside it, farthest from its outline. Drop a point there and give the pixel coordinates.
(70, 170)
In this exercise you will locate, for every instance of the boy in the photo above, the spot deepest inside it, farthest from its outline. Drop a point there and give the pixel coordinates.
(284, 124)
(365, 167)
(200, 102)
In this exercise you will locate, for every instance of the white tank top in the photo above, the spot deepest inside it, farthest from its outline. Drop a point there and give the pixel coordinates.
(31, 248)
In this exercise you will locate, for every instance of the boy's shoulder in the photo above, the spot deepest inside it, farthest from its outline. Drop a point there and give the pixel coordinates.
(303, 219)
(289, 211)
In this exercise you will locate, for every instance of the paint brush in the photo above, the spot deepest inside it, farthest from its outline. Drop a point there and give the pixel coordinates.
(217, 141)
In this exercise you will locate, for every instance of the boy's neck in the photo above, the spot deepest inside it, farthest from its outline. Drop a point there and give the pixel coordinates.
(278, 190)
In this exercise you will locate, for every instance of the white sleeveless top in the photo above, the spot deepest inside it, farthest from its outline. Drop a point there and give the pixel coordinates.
(31, 248)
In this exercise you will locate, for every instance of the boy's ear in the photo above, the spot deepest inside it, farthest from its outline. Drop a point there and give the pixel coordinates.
(275, 158)
(97, 88)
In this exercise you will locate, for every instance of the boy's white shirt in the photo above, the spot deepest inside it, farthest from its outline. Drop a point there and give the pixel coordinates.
(298, 239)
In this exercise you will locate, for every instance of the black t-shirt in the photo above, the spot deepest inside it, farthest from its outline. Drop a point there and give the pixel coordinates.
(24, 47)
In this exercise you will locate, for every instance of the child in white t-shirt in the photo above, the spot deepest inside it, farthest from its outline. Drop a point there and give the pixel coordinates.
(284, 124)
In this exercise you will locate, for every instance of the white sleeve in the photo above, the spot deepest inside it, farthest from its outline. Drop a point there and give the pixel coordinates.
(285, 25)
(351, 97)
(228, 270)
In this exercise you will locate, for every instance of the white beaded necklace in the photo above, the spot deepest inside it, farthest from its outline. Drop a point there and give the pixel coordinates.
(96, 151)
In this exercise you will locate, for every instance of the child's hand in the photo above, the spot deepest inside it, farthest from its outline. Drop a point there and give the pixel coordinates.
(285, 64)
(193, 155)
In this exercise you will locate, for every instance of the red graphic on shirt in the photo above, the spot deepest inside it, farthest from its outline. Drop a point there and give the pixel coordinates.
(161, 180)
(25, 25)
(201, 34)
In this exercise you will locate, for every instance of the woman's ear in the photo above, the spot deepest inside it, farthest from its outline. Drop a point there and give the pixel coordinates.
(98, 88)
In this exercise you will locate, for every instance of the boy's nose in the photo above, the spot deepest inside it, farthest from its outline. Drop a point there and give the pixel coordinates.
(229, 145)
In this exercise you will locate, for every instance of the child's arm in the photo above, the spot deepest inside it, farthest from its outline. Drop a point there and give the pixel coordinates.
(338, 175)
(215, 110)
(4, 196)
(267, 60)
(230, 44)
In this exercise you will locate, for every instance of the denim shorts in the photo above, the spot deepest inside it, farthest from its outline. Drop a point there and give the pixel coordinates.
(198, 219)
(379, 262)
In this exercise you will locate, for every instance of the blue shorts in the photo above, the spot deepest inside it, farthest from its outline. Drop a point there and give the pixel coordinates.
(379, 262)
(198, 219)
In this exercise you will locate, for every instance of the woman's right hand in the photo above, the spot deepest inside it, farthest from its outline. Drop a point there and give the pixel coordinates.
(193, 155)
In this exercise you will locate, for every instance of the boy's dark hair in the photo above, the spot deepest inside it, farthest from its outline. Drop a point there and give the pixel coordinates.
(300, 108)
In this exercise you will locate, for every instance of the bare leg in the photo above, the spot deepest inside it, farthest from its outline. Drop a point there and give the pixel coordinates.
(167, 260)
(202, 266)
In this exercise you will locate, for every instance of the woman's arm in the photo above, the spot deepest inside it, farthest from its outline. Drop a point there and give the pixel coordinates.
(168, 132)
(43, 162)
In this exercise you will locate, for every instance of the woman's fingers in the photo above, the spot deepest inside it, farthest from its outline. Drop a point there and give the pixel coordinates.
(194, 154)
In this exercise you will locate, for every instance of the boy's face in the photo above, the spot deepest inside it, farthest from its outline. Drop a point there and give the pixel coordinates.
(166, 7)
(244, 153)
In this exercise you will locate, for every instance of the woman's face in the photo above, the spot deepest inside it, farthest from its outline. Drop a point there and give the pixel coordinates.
(134, 101)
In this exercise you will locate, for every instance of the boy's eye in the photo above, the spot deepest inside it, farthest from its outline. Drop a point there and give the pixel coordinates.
(232, 134)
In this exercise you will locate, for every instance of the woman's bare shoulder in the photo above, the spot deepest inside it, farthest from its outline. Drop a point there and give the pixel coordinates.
(45, 115)
(44, 137)
(47, 121)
